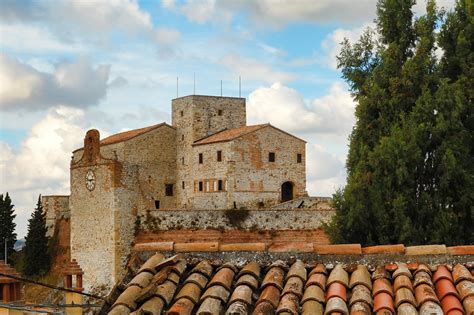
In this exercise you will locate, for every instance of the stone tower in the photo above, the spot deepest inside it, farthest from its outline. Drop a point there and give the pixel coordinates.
(194, 118)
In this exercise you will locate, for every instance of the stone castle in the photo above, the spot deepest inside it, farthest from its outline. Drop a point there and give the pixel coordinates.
(208, 159)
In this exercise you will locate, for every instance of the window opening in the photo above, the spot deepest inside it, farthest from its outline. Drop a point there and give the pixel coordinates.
(200, 158)
(298, 158)
(169, 190)
(157, 204)
(271, 157)
(219, 156)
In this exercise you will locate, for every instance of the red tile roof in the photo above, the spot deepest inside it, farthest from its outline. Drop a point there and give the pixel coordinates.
(127, 135)
(198, 286)
(229, 134)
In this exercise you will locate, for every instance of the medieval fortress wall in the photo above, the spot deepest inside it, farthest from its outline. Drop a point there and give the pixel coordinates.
(169, 170)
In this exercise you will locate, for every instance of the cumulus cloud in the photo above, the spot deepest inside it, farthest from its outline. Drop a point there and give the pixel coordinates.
(325, 172)
(278, 14)
(91, 20)
(77, 83)
(41, 165)
(285, 107)
(252, 69)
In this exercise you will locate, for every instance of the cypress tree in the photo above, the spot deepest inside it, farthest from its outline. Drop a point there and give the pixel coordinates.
(7, 226)
(36, 257)
(410, 173)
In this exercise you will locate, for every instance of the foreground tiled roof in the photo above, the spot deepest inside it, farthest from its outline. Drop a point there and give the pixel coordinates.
(230, 134)
(201, 286)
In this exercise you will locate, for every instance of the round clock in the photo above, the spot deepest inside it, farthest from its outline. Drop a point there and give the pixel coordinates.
(90, 180)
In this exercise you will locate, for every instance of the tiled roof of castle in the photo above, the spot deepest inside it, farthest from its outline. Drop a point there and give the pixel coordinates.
(203, 286)
(229, 134)
(127, 135)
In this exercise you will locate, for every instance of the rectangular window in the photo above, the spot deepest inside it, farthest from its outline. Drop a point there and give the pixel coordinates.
(157, 204)
(169, 190)
(219, 112)
(182, 137)
(201, 186)
(219, 156)
(182, 160)
(200, 158)
(207, 185)
(271, 157)
(298, 158)
(182, 184)
(181, 113)
(220, 185)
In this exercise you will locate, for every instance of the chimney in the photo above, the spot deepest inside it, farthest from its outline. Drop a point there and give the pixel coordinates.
(73, 270)
(10, 289)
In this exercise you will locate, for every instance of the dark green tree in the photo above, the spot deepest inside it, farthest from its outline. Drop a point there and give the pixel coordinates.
(36, 255)
(410, 173)
(7, 226)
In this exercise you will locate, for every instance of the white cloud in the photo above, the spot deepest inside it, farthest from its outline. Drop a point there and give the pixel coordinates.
(252, 69)
(41, 166)
(325, 172)
(77, 84)
(285, 108)
(165, 35)
(282, 12)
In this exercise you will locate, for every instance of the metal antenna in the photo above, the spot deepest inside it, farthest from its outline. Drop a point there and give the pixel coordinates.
(240, 87)
(194, 88)
(221, 87)
(176, 87)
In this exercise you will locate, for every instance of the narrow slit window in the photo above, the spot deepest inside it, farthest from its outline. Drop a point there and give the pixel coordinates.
(298, 158)
(169, 190)
(271, 157)
(182, 160)
(219, 156)
(220, 185)
(181, 113)
(182, 185)
(157, 204)
(200, 158)
(182, 137)
(201, 186)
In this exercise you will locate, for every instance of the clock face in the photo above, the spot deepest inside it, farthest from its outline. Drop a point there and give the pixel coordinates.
(90, 180)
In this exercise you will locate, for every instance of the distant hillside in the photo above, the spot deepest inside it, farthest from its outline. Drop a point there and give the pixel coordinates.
(19, 244)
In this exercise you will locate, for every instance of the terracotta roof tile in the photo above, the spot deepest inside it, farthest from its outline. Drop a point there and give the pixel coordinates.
(191, 286)
(127, 135)
(229, 134)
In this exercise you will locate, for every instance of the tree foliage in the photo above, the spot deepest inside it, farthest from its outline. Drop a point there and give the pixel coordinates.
(36, 255)
(7, 226)
(411, 156)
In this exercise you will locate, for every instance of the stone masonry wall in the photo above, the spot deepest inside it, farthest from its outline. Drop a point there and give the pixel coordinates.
(255, 219)
(195, 117)
(55, 208)
(254, 180)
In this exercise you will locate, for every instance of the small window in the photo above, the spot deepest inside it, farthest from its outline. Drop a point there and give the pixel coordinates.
(181, 113)
(201, 186)
(182, 184)
(200, 158)
(298, 158)
(219, 112)
(219, 156)
(157, 204)
(169, 190)
(220, 185)
(182, 137)
(271, 157)
(182, 160)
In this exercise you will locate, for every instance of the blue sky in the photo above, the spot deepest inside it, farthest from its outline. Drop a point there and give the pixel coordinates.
(67, 66)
